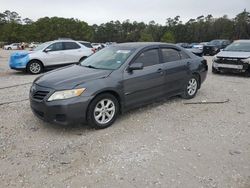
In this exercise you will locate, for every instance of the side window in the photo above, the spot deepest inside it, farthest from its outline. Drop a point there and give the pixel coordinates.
(71, 45)
(170, 54)
(56, 46)
(184, 55)
(148, 58)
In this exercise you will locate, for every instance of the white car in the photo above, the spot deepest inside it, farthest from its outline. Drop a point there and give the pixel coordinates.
(34, 44)
(97, 46)
(13, 46)
(49, 55)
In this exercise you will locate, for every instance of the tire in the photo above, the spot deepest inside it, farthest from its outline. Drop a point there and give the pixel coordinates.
(98, 110)
(191, 87)
(35, 67)
(9, 48)
(215, 71)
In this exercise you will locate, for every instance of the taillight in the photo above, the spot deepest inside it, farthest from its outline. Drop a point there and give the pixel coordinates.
(93, 50)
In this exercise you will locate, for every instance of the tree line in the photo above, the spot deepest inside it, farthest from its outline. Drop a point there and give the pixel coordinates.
(14, 28)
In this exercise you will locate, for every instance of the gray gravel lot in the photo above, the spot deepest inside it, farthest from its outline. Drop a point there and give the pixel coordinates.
(165, 144)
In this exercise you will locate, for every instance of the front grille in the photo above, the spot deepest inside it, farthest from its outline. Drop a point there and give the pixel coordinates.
(233, 61)
(40, 95)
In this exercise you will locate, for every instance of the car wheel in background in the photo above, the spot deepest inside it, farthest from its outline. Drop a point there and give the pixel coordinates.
(9, 48)
(191, 88)
(103, 111)
(35, 67)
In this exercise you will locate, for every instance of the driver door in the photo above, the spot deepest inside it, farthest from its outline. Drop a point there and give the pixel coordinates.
(144, 85)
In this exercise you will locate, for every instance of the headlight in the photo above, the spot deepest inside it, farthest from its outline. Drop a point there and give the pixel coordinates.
(246, 60)
(66, 94)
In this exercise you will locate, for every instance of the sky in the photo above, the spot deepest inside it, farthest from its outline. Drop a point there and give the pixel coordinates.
(101, 11)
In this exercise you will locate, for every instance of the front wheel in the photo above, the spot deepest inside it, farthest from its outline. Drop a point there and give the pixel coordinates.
(103, 111)
(35, 67)
(191, 88)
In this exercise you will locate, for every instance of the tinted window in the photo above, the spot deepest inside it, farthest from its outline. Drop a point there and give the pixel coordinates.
(88, 45)
(70, 45)
(148, 58)
(56, 46)
(169, 55)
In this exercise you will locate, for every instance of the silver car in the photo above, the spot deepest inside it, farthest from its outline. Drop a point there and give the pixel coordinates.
(49, 55)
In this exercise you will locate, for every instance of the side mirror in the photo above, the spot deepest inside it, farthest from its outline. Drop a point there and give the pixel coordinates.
(47, 50)
(135, 66)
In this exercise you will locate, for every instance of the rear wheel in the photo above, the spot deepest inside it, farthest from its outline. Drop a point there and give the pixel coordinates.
(35, 67)
(191, 88)
(9, 48)
(103, 111)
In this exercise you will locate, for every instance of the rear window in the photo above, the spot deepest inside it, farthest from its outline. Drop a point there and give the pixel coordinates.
(170, 54)
(71, 45)
(86, 44)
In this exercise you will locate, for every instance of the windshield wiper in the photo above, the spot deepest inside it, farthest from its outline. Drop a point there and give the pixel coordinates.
(90, 66)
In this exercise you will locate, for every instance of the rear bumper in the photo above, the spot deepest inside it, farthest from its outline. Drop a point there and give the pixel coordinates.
(63, 112)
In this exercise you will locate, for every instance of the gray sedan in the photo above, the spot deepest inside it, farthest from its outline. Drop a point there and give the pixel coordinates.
(114, 80)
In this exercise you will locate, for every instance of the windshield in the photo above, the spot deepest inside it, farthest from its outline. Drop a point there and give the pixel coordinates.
(215, 42)
(239, 47)
(41, 46)
(110, 58)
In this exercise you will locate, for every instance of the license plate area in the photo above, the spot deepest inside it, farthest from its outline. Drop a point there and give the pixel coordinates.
(230, 66)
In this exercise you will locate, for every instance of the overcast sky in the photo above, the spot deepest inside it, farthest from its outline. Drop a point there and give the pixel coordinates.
(100, 11)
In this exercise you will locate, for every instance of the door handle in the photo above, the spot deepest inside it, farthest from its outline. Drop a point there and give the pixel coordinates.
(160, 71)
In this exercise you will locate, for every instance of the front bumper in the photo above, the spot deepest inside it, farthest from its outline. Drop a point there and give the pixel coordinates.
(231, 67)
(18, 61)
(63, 112)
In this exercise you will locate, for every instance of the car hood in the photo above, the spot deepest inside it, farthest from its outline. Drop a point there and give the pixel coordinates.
(231, 54)
(70, 77)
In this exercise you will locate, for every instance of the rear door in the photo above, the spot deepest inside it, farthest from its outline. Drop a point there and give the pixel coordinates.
(146, 84)
(73, 52)
(175, 65)
(55, 55)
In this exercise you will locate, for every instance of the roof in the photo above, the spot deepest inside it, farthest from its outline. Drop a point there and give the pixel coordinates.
(140, 44)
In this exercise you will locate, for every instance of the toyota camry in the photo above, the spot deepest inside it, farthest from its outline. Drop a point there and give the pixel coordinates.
(114, 80)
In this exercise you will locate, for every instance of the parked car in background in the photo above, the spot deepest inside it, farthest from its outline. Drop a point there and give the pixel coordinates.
(196, 51)
(88, 45)
(97, 46)
(215, 46)
(49, 55)
(200, 46)
(13, 46)
(34, 44)
(234, 58)
(183, 45)
(116, 79)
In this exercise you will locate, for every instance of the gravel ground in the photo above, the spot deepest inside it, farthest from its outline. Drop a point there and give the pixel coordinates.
(166, 144)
